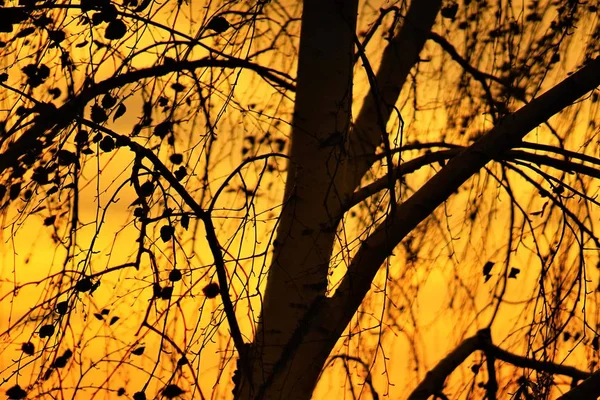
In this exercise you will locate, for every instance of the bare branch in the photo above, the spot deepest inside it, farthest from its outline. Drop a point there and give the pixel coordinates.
(506, 135)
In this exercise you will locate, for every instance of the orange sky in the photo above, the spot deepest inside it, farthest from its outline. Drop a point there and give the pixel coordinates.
(29, 255)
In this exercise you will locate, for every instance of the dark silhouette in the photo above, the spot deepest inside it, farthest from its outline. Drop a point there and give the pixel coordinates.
(262, 198)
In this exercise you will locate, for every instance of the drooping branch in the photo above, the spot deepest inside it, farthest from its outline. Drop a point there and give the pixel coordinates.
(368, 379)
(478, 75)
(199, 212)
(49, 123)
(554, 199)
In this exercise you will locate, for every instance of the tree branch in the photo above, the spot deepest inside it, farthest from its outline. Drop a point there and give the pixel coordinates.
(588, 389)
(48, 124)
(338, 310)
(434, 380)
(204, 216)
(399, 57)
(524, 362)
(415, 164)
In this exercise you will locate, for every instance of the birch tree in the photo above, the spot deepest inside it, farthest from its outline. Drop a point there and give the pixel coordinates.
(277, 183)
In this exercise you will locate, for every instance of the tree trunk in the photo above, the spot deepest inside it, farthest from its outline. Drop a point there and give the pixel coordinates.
(302, 249)
(300, 326)
(319, 180)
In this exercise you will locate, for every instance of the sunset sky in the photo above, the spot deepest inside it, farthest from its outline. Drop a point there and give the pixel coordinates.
(428, 296)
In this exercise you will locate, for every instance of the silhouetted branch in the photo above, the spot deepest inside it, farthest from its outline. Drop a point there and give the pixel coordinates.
(410, 166)
(339, 309)
(48, 124)
(525, 362)
(588, 389)
(434, 380)
(368, 379)
(211, 235)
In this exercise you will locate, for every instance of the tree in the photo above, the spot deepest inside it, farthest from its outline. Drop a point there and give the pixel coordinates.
(497, 103)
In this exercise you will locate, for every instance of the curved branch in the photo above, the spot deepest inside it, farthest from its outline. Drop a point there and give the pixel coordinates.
(60, 118)
(524, 362)
(415, 164)
(435, 378)
(334, 315)
(403, 169)
(192, 41)
(203, 215)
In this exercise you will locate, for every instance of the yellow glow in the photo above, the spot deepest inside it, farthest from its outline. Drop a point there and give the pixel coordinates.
(437, 298)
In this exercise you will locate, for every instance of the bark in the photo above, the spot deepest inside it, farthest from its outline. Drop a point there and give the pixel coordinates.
(588, 389)
(303, 245)
(399, 58)
(320, 332)
(320, 178)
